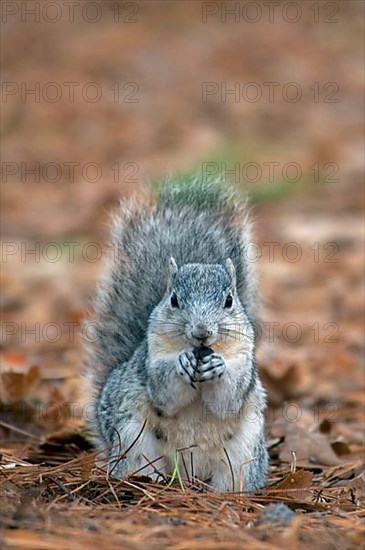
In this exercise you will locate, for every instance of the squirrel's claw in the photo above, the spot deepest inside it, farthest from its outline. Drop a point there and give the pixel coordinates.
(186, 367)
(211, 367)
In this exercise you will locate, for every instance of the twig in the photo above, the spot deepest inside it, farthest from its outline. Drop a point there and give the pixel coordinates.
(230, 467)
(18, 430)
(293, 465)
(128, 449)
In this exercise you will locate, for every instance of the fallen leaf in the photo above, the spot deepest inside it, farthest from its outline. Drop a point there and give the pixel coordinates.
(61, 446)
(357, 485)
(291, 383)
(306, 443)
(296, 485)
(340, 448)
(18, 379)
(56, 412)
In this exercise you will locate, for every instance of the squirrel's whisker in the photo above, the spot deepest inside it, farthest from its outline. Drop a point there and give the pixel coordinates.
(172, 332)
(234, 334)
(171, 323)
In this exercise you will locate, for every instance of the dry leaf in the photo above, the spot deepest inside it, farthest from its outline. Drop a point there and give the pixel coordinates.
(292, 383)
(307, 444)
(340, 448)
(18, 379)
(61, 446)
(56, 413)
(296, 485)
(358, 486)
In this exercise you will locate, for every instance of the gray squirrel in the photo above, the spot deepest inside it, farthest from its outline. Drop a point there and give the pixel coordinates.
(172, 369)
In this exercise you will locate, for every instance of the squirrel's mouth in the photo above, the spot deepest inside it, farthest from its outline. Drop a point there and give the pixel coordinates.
(201, 335)
(202, 342)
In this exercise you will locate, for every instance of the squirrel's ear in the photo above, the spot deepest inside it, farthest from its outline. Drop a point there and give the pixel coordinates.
(172, 272)
(231, 272)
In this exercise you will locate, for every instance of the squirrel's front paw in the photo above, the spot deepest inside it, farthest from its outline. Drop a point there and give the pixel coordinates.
(186, 365)
(211, 367)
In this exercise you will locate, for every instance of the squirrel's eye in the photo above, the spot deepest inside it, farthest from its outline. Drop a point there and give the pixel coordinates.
(229, 301)
(174, 300)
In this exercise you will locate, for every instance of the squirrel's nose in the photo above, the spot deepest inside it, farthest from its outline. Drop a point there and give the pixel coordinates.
(201, 332)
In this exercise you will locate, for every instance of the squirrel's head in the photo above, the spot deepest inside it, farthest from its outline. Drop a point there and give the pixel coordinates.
(201, 302)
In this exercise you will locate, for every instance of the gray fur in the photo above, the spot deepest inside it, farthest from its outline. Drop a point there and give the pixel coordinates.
(181, 280)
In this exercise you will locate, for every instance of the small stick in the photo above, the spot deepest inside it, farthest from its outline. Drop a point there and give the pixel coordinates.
(230, 467)
(293, 465)
(129, 448)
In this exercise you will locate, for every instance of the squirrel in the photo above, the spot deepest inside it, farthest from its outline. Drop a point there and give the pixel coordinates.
(172, 369)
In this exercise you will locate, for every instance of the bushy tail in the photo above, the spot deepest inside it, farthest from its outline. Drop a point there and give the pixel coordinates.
(193, 221)
(197, 194)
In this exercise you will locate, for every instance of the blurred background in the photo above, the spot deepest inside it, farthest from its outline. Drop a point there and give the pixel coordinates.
(100, 99)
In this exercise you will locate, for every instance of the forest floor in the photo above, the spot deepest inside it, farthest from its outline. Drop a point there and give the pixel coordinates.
(310, 259)
(53, 492)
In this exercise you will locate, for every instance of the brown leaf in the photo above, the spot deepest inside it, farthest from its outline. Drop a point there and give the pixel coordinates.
(61, 446)
(286, 385)
(340, 448)
(307, 445)
(325, 426)
(358, 486)
(18, 379)
(296, 485)
(56, 413)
